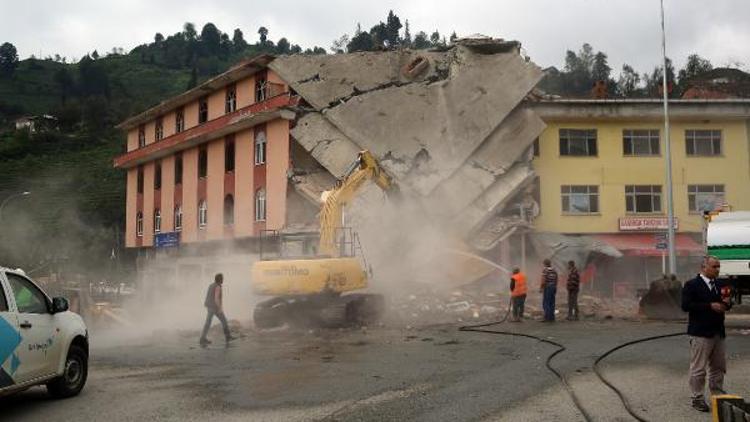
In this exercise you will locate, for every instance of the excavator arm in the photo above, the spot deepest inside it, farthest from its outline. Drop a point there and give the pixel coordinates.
(363, 169)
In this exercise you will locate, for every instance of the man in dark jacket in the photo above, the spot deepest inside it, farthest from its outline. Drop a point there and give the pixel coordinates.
(214, 306)
(573, 285)
(702, 299)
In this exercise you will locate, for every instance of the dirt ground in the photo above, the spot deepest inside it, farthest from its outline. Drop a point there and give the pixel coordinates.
(434, 373)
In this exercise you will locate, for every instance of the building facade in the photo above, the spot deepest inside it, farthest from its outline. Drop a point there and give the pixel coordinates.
(601, 169)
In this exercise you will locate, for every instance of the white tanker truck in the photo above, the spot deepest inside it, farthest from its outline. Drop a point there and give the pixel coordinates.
(728, 238)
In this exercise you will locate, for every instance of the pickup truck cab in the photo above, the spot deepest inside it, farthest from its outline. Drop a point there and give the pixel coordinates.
(41, 341)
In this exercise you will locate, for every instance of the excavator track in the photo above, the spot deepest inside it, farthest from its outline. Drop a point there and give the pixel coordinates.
(320, 311)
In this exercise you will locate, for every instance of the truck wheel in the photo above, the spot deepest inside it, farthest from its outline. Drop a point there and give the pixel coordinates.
(74, 375)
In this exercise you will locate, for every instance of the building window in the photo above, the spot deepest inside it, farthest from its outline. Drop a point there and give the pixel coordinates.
(230, 104)
(179, 120)
(202, 214)
(578, 142)
(202, 110)
(640, 142)
(157, 221)
(705, 197)
(141, 136)
(178, 218)
(580, 199)
(178, 169)
(703, 142)
(202, 162)
(157, 176)
(260, 148)
(159, 129)
(139, 224)
(260, 90)
(229, 155)
(642, 198)
(139, 183)
(260, 205)
(535, 147)
(228, 210)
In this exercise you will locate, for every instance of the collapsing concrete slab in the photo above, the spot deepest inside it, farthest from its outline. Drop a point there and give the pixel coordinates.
(447, 125)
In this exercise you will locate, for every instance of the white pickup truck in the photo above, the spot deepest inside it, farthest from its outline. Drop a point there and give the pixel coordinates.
(41, 341)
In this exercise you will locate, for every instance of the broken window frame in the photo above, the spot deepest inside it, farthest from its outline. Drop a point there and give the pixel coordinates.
(202, 214)
(178, 218)
(179, 120)
(641, 142)
(141, 136)
(261, 93)
(230, 101)
(157, 221)
(260, 205)
(575, 196)
(202, 110)
(578, 142)
(643, 199)
(260, 148)
(139, 224)
(159, 129)
(699, 196)
(703, 142)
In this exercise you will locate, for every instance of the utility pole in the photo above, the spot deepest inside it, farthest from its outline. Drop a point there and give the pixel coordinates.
(667, 152)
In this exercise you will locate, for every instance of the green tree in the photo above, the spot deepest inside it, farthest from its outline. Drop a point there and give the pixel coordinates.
(338, 46)
(406, 41)
(435, 39)
(379, 34)
(453, 37)
(8, 58)
(393, 26)
(64, 81)
(283, 46)
(210, 39)
(420, 41)
(654, 81)
(263, 33)
(362, 41)
(600, 70)
(629, 81)
(695, 66)
(238, 40)
(158, 39)
(189, 32)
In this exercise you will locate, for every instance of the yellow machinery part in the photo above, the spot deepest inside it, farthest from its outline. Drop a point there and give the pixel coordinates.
(308, 276)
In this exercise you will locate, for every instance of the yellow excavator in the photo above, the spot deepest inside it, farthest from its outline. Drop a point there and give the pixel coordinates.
(310, 284)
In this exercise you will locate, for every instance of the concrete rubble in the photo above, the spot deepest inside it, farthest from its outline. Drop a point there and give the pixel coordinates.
(449, 125)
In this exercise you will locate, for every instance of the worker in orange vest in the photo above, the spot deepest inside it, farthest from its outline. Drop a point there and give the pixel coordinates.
(517, 294)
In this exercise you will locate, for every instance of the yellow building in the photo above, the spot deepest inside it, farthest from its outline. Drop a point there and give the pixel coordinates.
(601, 168)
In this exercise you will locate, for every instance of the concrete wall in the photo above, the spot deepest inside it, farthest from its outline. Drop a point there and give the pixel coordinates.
(132, 143)
(167, 194)
(215, 189)
(189, 195)
(243, 186)
(130, 206)
(611, 171)
(148, 203)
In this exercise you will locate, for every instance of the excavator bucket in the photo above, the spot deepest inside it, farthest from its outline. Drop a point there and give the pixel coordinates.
(662, 300)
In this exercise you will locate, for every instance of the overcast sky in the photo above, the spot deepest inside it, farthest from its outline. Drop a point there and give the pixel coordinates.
(627, 30)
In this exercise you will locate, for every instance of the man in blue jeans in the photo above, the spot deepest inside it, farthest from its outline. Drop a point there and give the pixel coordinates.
(549, 289)
(214, 306)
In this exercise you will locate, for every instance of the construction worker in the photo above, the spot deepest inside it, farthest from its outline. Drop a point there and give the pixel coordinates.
(703, 300)
(548, 287)
(517, 294)
(573, 285)
(214, 306)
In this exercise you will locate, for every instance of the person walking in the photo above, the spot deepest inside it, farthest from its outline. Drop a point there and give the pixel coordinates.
(549, 288)
(214, 306)
(574, 286)
(702, 299)
(517, 294)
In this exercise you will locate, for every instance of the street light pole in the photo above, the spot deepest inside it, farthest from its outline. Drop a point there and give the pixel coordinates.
(15, 195)
(668, 152)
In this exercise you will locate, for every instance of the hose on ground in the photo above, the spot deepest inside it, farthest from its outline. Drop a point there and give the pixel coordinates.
(619, 393)
(481, 328)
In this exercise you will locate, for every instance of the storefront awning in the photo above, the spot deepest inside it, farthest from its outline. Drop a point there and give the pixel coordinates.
(644, 244)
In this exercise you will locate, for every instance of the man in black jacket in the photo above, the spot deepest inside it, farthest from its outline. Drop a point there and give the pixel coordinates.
(702, 299)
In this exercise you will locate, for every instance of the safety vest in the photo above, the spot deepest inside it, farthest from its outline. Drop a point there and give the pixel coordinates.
(519, 289)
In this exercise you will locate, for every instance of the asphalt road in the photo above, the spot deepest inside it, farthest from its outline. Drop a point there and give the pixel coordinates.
(428, 374)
